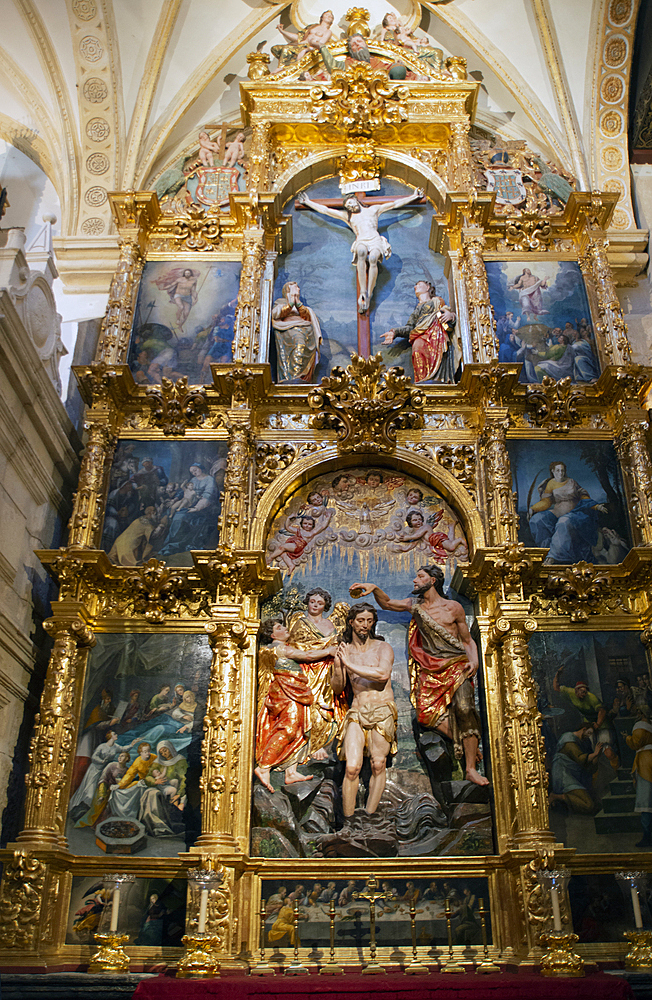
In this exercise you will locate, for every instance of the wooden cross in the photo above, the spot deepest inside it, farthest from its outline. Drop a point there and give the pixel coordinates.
(364, 327)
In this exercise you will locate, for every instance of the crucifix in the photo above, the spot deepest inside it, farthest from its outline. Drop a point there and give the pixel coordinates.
(373, 893)
(361, 214)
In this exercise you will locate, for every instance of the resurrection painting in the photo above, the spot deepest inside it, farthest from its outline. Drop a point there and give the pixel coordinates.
(595, 697)
(317, 302)
(342, 771)
(135, 785)
(184, 320)
(393, 929)
(153, 916)
(570, 500)
(163, 500)
(543, 319)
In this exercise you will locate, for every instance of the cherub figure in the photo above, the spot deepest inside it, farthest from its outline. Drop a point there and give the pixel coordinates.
(234, 150)
(206, 149)
(288, 547)
(393, 25)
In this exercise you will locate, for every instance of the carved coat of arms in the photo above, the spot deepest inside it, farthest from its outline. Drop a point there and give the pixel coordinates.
(508, 185)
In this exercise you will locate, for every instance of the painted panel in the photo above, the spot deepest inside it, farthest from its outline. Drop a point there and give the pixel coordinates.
(321, 265)
(135, 787)
(599, 909)
(570, 499)
(154, 915)
(543, 319)
(595, 697)
(163, 500)
(184, 320)
(366, 524)
(393, 927)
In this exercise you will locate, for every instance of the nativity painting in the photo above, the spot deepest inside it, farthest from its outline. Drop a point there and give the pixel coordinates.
(543, 319)
(163, 501)
(136, 771)
(570, 500)
(184, 320)
(366, 659)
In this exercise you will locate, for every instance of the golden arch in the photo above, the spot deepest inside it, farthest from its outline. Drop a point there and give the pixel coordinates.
(404, 460)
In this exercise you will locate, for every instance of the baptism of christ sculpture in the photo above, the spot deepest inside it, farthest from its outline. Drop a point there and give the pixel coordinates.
(369, 246)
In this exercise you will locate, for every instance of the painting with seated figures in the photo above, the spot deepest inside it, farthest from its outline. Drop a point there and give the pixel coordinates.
(135, 784)
(595, 696)
(184, 320)
(570, 500)
(369, 737)
(383, 236)
(154, 914)
(543, 319)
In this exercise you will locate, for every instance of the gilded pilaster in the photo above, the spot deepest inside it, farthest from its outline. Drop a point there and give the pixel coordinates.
(523, 740)
(481, 320)
(221, 749)
(459, 164)
(612, 322)
(259, 157)
(51, 750)
(234, 518)
(88, 507)
(637, 468)
(247, 325)
(502, 519)
(116, 325)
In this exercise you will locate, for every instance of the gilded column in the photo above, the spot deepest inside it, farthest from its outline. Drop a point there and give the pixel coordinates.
(259, 157)
(234, 519)
(481, 320)
(502, 519)
(116, 325)
(637, 469)
(460, 172)
(52, 748)
(247, 323)
(87, 511)
(612, 321)
(221, 749)
(523, 741)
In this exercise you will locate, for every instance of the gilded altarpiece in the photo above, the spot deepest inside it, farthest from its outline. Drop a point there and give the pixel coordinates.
(214, 494)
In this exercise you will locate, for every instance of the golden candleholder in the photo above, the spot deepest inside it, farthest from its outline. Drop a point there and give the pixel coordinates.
(199, 960)
(110, 958)
(331, 968)
(296, 967)
(639, 955)
(560, 959)
(415, 968)
(485, 965)
(262, 966)
(451, 966)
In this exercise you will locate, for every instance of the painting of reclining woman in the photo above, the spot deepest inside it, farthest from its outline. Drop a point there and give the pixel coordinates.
(163, 501)
(184, 320)
(138, 747)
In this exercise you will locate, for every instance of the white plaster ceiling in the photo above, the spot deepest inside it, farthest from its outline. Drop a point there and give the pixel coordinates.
(173, 66)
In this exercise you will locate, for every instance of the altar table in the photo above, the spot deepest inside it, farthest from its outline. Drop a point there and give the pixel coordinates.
(393, 986)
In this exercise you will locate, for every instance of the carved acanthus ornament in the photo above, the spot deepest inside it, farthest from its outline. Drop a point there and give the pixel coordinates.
(481, 320)
(501, 515)
(272, 459)
(198, 229)
(366, 405)
(87, 512)
(154, 590)
(513, 567)
(53, 740)
(259, 157)
(581, 590)
(555, 404)
(359, 100)
(361, 162)
(523, 740)
(176, 407)
(21, 896)
(458, 459)
(460, 172)
(612, 322)
(222, 734)
(235, 503)
(528, 232)
(632, 450)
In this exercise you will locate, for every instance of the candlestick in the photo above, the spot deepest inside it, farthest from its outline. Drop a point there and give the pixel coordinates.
(331, 968)
(485, 965)
(296, 968)
(203, 910)
(451, 965)
(262, 966)
(415, 968)
(639, 954)
(115, 909)
(554, 899)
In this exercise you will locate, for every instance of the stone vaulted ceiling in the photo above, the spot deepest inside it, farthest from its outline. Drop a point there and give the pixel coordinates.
(107, 94)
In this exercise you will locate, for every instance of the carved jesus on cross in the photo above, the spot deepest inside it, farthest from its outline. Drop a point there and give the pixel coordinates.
(369, 246)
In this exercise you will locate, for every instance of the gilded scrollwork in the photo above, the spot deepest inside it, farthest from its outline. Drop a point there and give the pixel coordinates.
(366, 404)
(528, 232)
(359, 100)
(579, 591)
(21, 896)
(200, 229)
(175, 406)
(154, 590)
(555, 404)
(274, 458)
(458, 459)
